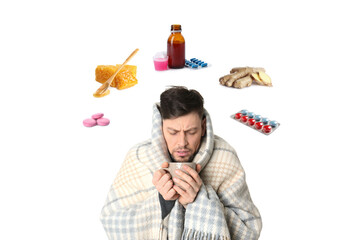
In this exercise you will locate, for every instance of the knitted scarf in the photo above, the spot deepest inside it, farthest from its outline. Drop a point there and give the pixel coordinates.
(223, 208)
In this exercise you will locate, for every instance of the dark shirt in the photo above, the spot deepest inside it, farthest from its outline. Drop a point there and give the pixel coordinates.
(166, 206)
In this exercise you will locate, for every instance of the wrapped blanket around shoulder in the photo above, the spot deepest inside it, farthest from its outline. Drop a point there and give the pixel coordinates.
(223, 208)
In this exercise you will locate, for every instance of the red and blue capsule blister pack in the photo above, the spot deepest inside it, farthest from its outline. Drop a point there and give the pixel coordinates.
(255, 121)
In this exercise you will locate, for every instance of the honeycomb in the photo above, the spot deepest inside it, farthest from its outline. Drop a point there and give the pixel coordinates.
(125, 80)
(104, 72)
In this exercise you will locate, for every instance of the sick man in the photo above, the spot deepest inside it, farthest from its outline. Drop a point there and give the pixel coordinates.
(210, 202)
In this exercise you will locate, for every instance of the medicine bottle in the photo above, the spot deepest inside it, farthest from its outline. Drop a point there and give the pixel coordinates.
(176, 48)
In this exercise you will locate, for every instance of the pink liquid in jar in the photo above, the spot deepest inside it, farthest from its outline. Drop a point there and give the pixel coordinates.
(160, 64)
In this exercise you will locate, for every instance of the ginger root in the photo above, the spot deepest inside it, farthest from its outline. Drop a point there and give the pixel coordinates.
(244, 77)
(243, 82)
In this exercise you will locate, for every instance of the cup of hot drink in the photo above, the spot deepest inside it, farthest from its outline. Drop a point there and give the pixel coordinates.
(173, 166)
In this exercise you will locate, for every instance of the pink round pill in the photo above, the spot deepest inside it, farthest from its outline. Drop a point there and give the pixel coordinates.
(89, 122)
(103, 121)
(97, 115)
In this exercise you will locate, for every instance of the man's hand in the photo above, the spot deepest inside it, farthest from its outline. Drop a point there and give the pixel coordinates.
(189, 186)
(163, 183)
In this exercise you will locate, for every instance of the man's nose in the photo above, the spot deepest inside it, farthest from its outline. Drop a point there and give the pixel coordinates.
(182, 139)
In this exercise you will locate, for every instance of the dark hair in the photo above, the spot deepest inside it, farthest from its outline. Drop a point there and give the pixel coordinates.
(178, 101)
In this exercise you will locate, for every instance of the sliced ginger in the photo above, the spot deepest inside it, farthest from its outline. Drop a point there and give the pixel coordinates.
(244, 77)
(256, 78)
(265, 79)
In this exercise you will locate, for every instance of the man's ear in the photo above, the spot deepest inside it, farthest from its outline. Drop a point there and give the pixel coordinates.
(204, 125)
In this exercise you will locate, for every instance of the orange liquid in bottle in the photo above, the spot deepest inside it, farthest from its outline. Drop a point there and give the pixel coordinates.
(176, 48)
(176, 53)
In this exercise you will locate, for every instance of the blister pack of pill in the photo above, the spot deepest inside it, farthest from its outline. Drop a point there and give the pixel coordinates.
(256, 121)
(195, 63)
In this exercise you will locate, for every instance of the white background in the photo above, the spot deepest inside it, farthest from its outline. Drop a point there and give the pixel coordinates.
(55, 173)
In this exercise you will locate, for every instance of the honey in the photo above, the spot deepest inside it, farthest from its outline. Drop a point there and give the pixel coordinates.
(104, 72)
(107, 92)
(126, 80)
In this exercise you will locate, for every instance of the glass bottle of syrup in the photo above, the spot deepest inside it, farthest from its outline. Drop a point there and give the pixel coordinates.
(176, 48)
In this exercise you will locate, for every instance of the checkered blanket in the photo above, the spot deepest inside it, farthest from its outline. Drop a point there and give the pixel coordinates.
(223, 208)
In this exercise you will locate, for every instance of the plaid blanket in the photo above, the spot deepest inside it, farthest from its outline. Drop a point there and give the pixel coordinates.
(223, 208)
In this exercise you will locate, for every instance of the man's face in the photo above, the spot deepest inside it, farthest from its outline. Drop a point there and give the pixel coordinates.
(183, 135)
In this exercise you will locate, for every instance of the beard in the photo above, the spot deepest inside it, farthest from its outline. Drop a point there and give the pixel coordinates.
(189, 159)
